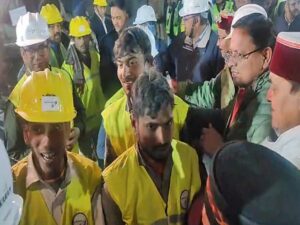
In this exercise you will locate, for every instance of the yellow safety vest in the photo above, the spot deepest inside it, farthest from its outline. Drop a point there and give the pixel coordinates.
(78, 194)
(119, 94)
(53, 58)
(136, 195)
(118, 128)
(92, 97)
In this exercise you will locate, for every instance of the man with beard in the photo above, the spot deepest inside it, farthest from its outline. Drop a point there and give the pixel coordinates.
(288, 16)
(193, 55)
(133, 57)
(155, 180)
(32, 38)
(54, 19)
(83, 64)
(64, 186)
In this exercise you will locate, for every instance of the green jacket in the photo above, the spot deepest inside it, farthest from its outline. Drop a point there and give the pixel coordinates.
(254, 118)
(215, 93)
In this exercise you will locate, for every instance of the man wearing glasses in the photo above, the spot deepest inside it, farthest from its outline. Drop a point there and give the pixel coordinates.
(248, 115)
(33, 40)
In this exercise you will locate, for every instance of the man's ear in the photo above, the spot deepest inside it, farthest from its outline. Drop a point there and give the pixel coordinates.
(267, 54)
(26, 133)
(22, 53)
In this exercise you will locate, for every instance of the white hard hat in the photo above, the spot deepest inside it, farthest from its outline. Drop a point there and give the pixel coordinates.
(10, 203)
(191, 7)
(151, 37)
(31, 29)
(245, 11)
(145, 14)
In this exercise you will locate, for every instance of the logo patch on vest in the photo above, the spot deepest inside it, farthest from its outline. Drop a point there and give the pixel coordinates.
(79, 219)
(184, 199)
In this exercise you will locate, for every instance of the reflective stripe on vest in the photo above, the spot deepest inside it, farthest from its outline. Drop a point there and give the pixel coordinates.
(136, 195)
(118, 128)
(168, 19)
(79, 193)
(177, 20)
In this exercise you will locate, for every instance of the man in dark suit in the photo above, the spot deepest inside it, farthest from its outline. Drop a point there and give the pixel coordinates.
(108, 69)
(100, 24)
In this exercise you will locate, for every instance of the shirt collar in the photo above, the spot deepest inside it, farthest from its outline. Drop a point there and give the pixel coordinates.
(203, 39)
(289, 134)
(33, 176)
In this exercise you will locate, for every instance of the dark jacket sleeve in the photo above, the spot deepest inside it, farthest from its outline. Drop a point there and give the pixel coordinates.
(80, 118)
(14, 140)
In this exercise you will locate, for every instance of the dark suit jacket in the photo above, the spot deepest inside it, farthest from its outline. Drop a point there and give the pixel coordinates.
(98, 27)
(108, 70)
(199, 65)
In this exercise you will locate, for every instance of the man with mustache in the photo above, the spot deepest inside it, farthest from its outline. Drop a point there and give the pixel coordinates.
(33, 40)
(62, 185)
(133, 56)
(288, 16)
(156, 179)
(83, 65)
(54, 20)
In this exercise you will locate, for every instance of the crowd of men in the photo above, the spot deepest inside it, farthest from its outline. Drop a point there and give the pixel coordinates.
(190, 118)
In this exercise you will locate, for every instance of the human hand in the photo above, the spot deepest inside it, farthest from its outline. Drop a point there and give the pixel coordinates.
(211, 140)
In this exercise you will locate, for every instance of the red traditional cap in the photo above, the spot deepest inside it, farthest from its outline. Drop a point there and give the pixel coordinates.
(225, 22)
(286, 57)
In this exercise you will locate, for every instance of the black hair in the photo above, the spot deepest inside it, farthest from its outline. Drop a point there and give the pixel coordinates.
(259, 28)
(133, 40)
(150, 93)
(120, 4)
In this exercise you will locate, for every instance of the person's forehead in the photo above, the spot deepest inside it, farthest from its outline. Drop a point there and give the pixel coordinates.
(162, 116)
(130, 56)
(116, 11)
(240, 39)
(37, 45)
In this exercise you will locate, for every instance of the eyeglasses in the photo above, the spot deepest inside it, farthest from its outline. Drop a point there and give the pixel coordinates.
(39, 49)
(237, 57)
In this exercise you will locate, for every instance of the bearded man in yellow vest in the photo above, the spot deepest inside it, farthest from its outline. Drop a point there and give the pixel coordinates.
(62, 186)
(83, 64)
(155, 180)
(133, 56)
(54, 20)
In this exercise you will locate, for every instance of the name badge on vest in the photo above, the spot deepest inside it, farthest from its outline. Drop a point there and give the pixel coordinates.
(184, 199)
(79, 219)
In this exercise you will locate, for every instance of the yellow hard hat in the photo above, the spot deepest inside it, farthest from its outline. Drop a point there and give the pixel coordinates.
(102, 3)
(46, 97)
(51, 14)
(79, 26)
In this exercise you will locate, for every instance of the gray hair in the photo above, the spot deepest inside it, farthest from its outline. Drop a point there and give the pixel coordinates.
(150, 93)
